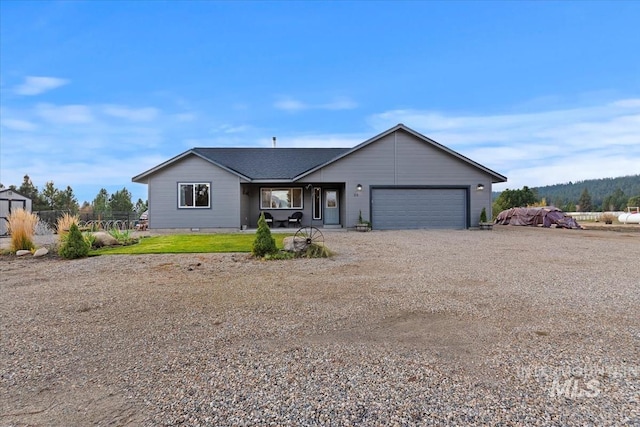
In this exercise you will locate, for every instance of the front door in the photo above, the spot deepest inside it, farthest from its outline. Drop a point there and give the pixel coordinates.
(331, 207)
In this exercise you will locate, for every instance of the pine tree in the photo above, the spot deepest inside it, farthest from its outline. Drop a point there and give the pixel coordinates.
(585, 201)
(74, 244)
(264, 243)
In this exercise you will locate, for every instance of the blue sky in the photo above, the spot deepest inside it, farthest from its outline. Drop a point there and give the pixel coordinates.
(93, 93)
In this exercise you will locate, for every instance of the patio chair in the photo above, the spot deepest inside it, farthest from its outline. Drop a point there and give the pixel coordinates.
(295, 218)
(268, 218)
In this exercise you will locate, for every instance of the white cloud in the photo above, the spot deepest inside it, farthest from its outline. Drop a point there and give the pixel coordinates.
(132, 114)
(185, 117)
(293, 105)
(34, 85)
(228, 129)
(339, 104)
(321, 141)
(290, 104)
(65, 114)
(630, 103)
(17, 124)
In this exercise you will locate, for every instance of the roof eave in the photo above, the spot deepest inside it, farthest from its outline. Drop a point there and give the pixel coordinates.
(142, 178)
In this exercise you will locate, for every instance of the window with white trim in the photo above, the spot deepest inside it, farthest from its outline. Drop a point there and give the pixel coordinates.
(281, 198)
(194, 195)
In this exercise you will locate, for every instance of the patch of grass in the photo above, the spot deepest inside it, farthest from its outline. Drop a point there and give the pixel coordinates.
(280, 255)
(188, 243)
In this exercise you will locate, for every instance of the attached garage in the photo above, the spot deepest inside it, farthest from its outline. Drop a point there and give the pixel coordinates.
(401, 208)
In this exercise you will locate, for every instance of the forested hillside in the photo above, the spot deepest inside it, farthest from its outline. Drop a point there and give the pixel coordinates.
(594, 194)
(599, 190)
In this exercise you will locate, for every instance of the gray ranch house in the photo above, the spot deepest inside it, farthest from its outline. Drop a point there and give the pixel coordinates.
(398, 179)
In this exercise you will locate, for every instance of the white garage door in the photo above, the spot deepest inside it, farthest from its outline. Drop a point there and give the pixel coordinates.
(411, 208)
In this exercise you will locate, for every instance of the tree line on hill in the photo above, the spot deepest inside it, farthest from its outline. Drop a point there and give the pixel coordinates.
(104, 204)
(594, 195)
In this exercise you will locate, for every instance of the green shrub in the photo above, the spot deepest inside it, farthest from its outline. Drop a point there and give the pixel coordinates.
(264, 243)
(90, 238)
(483, 215)
(74, 245)
(315, 251)
(280, 255)
(123, 236)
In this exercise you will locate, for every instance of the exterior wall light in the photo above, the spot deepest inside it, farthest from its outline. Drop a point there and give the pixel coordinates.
(359, 187)
(480, 187)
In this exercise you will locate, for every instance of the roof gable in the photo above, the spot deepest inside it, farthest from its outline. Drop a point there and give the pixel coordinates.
(13, 193)
(400, 127)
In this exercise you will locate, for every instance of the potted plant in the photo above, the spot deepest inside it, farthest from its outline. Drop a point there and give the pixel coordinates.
(362, 225)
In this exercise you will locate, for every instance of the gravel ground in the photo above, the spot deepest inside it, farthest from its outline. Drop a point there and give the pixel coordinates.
(517, 326)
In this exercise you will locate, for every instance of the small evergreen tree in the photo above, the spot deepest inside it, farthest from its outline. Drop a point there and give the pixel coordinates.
(585, 201)
(483, 215)
(264, 243)
(74, 245)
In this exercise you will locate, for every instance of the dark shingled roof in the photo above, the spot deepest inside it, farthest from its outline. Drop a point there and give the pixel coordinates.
(270, 163)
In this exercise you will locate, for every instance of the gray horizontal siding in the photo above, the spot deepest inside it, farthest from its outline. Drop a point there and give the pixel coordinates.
(401, 159)
(163, 196)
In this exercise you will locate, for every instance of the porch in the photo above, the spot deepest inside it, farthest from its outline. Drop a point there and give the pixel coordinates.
(317, 205)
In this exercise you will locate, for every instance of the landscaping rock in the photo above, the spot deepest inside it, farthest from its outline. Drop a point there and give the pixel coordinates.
(22, 252)
(104, 239)
(287, 243)
(41, 252)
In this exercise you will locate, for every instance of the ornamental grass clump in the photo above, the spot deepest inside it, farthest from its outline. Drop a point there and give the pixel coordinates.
(74, 245)
(123, 237)
(316, 251)
(264, 243)
(63, 225)
(22, 226)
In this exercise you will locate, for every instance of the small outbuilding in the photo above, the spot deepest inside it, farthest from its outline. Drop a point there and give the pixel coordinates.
(11, 200)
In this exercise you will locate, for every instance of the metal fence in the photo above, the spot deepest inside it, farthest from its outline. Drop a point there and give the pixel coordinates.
(93, 221)
(591, 216)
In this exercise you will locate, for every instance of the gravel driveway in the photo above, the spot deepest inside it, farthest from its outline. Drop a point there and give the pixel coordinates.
(517, 326)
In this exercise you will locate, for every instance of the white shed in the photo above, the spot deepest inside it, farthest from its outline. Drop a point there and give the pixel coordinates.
(11, 200)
